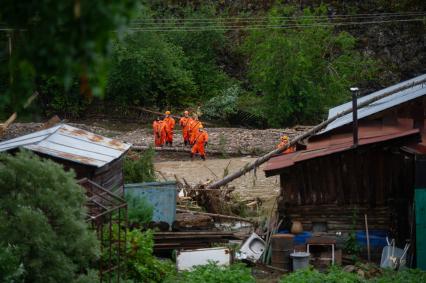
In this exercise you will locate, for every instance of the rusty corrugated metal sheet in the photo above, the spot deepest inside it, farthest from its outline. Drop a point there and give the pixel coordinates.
(70, 143)
(337, 143)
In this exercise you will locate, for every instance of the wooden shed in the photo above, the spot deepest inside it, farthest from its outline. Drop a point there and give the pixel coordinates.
(332, 177)
(91, 156)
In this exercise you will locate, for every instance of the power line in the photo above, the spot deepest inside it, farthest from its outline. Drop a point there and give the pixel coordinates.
(281, 17)
(262, 21)
(256, 27)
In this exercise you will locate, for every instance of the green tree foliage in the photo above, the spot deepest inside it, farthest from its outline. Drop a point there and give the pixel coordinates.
(203, 49)
(302, 71)
(66, 39)
(168, 68)
(149, 70)
(139, 168)
(42, 218)
(56, 100)
(212, 273)
(11, 270)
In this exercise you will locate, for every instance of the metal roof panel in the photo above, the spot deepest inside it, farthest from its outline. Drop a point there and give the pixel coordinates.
(378, 106)
(70, 143)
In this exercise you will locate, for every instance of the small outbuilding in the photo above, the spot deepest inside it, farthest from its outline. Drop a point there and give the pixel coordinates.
(380, 175)
(91, 156)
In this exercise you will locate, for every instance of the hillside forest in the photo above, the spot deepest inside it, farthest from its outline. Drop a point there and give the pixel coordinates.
(208, 56)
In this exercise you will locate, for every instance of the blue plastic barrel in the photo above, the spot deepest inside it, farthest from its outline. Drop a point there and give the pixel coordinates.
(377, 238)
(161, 195)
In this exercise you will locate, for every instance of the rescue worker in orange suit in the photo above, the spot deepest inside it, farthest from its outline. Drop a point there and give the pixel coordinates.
(285, 141)
(185, 122)
(193, 129)
(199, 143)
(170, 125)
(159, 128)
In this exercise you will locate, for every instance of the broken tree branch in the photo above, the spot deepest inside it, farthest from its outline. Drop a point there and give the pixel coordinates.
(311, 132)
(12, 118)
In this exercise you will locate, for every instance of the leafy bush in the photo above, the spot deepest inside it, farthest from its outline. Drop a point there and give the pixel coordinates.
(142, 266)
(309, 275)
(11, 270)
(139, 210)
(336, 274)
(42, 212)
(405, 276)
(59, 101)
(222, 107)
(149, 70)
(212, 273)
(139, 167)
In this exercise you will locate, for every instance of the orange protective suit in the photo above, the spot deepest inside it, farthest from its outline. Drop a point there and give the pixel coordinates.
(193, 130)
(288, 150)
(170, 125)
(159, 128)
(200, 140)
(185, 122)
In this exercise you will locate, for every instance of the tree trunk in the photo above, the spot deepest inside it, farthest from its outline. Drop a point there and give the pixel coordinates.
(308, 134)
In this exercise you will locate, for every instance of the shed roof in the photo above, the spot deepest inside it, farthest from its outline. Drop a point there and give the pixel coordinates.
(70, 143)
(338, 143)
(378, 106)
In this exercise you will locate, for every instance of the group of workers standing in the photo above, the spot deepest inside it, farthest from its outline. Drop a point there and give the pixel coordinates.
(193, 134)
(192, 131)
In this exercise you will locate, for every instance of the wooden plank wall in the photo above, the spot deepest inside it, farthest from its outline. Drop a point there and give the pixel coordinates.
(375, 180)
(110, 176)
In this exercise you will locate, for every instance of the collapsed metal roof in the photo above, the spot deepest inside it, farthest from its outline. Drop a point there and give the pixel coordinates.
(70, 143)
(338, 143)
(378, 106)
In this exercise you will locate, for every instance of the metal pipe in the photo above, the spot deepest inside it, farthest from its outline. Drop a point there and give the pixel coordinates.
(355, 91)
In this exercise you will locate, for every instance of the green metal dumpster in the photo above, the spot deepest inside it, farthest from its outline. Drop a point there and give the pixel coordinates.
(161, 195)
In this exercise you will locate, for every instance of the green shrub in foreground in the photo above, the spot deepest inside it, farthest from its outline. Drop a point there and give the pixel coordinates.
(406, 276)
(336, 275)
(142, 265)
(212, 273)
(42, 222)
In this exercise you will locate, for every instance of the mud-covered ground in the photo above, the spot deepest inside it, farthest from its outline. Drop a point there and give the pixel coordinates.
(250, 186)
(232, 141)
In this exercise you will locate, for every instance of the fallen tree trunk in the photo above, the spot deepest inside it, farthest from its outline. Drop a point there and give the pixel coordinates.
(311, 132)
